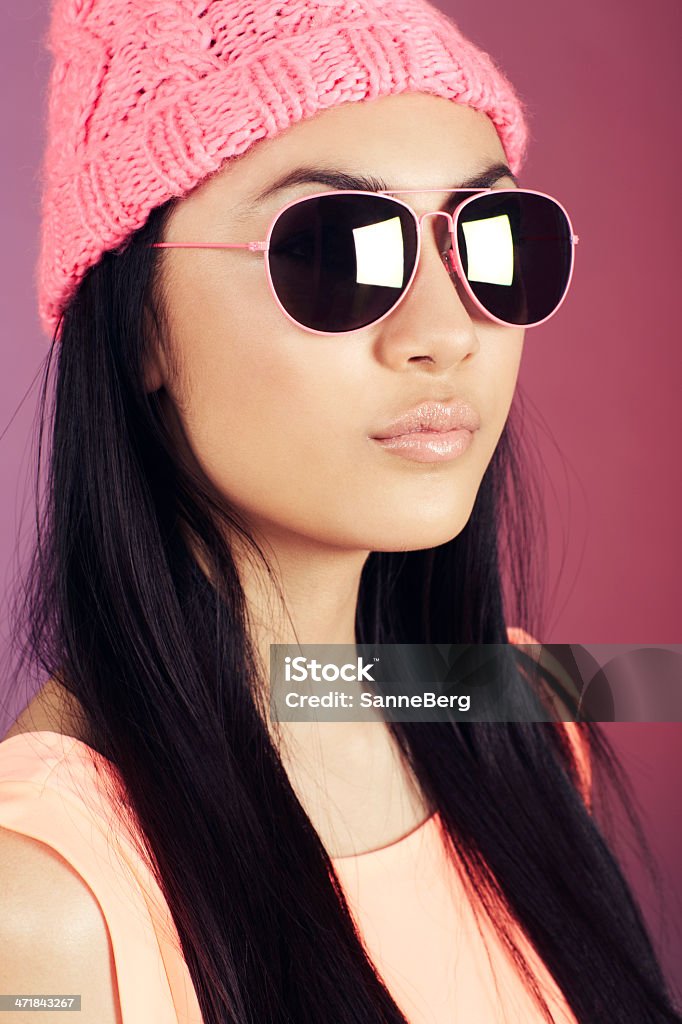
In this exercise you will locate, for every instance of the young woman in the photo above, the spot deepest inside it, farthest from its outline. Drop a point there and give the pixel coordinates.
(288, 269)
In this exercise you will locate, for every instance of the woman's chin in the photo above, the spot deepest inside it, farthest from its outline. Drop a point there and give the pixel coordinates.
(416, 535)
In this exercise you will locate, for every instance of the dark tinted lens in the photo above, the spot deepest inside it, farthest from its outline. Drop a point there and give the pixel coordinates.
(517, 254)
(340, 262)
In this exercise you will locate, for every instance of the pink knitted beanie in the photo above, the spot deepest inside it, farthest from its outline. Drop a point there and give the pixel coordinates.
(148, 97)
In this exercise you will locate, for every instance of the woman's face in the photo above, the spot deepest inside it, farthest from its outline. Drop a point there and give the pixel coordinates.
(281, 420)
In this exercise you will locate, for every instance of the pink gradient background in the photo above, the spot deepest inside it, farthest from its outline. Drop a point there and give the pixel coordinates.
(602, 82)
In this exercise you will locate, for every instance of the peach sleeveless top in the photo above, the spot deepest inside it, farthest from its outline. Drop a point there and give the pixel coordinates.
(440, 960)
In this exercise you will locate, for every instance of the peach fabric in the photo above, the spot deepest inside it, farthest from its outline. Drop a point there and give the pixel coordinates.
(410, 905)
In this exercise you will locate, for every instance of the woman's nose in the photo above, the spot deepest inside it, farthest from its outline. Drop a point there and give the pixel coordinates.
(432, 322)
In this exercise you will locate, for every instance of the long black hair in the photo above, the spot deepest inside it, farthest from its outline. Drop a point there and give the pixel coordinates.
(159, 655)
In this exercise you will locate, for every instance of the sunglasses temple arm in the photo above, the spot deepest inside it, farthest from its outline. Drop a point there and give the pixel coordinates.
(252, 246)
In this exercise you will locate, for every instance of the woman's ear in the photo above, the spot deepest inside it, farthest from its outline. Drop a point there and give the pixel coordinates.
(154, 371)
(156, 365)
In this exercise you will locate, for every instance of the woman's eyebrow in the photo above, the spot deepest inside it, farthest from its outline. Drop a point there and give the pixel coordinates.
(337, 179)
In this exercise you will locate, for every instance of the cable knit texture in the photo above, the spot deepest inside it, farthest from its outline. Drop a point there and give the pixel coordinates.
(148, 97)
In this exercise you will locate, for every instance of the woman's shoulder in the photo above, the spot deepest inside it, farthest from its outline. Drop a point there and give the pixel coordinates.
(55, 800)
(516, 635)
(53, 934)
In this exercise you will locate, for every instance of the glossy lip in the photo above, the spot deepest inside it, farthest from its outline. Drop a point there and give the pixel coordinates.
(429, 416)
(428, 445)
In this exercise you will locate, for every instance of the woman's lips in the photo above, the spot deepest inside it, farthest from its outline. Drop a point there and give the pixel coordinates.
(428, 445)
(432, 415)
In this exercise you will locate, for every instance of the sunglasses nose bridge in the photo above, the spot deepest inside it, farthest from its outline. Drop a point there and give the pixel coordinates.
(445, 255)
(438, 213)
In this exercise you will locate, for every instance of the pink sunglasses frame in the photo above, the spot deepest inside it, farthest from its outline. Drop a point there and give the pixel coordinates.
(450, 257)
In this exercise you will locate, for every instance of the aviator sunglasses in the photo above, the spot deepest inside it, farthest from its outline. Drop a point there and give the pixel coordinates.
(339, 261)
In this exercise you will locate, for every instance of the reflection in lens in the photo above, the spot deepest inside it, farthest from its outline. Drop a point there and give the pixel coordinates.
(490, 250)
(379, 254)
